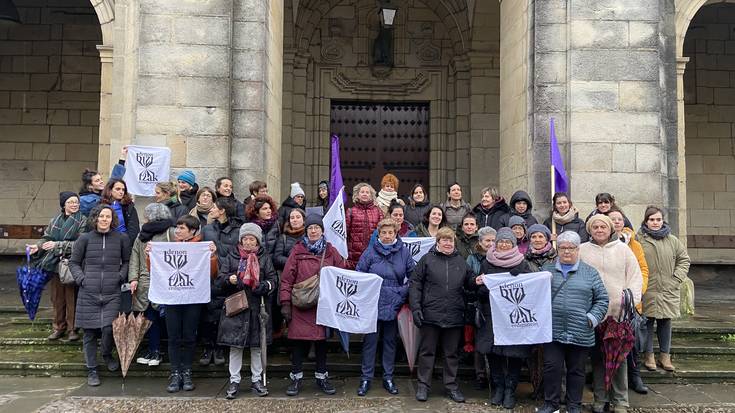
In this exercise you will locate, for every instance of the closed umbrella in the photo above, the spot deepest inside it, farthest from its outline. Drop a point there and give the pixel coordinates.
(618, 338)
(263, 318)
(409, 334)
(31, 281)
(128, 331)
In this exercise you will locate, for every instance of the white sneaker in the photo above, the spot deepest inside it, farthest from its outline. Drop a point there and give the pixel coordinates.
(145, 360)
(155, 359)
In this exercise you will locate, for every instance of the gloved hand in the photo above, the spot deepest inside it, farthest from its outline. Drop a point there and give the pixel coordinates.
(262, 289)
(418, 318)
(286, 311)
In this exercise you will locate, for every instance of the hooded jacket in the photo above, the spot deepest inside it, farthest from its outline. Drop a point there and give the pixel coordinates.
(528, 215)
(493, 217)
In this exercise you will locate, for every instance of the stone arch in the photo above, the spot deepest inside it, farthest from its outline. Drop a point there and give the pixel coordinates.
(105, 10)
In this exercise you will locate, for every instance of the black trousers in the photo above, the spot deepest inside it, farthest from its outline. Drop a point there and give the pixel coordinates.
(301, 350)
(90, 344)
(556, 357)
(449, 338)
(181, 323)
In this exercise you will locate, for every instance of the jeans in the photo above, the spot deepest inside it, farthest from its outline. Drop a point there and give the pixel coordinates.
(256, 364)
(449, 338)
(181, 323)
(154, 332)
(301, 349)
(370, 347)
(663, 332)
(89, 344)
(556, 357)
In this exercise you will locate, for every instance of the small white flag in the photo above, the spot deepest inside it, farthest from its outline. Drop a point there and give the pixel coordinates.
(348, 300)
(146, 166)
(418, 246)
(335, 226)
(521, 307)
(180, 273)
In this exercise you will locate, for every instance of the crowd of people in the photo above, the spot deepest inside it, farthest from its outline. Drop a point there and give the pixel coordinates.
(269, 251)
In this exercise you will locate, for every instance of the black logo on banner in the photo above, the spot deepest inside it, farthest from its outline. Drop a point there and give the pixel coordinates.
(520, 316)
(146, 161)
(339, 227)
(346, 307)
(177, 260)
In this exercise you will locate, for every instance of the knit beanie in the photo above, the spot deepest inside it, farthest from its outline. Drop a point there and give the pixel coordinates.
(188, 177)
(64, 196)
(516, 220)
(389, 179)
(505, 234)
(296, 190)
(539, 228)
(251, 229)
(314, 219)
(599, 217)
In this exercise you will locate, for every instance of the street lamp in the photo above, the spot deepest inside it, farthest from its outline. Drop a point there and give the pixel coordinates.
(8, 13)
(387, 14)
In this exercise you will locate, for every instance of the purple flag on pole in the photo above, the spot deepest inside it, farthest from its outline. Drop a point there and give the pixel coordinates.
(560, 179)
(335, 173)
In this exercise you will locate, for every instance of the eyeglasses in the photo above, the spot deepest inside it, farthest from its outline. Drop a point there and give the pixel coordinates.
(71, 203)
(567, 249)
(504, 241)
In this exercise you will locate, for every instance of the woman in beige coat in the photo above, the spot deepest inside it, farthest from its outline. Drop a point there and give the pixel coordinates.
(619, 270)
(668, 265)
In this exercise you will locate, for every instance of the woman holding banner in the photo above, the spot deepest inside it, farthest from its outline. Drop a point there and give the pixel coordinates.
(619, 270)
(437, 300)
(306, 260)
(248, 268)
(505, 361)
(578, 304)
(392, 261)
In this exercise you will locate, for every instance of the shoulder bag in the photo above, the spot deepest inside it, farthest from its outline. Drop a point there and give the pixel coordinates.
(64, 272)
(305, 294)
(236, 303)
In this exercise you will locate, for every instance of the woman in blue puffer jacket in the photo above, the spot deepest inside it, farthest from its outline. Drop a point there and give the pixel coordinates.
(391, 260)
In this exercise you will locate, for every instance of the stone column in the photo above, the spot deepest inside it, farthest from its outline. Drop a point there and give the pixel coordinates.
(106, 157)
(681, 63)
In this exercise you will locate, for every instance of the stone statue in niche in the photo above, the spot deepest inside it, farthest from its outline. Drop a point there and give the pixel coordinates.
(383, 48)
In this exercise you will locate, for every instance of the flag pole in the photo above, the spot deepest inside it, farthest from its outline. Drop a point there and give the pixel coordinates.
(553, 191)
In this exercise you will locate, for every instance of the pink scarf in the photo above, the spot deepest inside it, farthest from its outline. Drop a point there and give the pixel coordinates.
(250, 275)
(506, 259)
(543, 250)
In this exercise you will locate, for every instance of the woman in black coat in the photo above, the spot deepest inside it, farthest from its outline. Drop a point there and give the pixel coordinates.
(99, 264)
(166, 195)
(505, 361)
(437, 299)
(116, 195)
(565, 217)
(250, 269)
(263, 213)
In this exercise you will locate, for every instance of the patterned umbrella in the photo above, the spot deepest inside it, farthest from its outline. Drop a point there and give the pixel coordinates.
(409, 334)
(128, 331)
(31, 281)
(618, 338)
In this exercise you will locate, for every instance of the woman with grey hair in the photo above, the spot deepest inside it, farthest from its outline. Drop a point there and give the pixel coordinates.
(361, 220)
(157, 227)
(578, 304)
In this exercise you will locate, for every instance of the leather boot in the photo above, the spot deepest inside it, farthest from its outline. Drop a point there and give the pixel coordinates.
(665, 360)
(498, 390)
(649, 362)
(509, 396)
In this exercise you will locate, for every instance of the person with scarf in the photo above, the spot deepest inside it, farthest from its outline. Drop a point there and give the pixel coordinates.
(668, 266)
(518, 225)
(395, 212)
(223, 187)
(627, 236)
(388, 193)
(293, 231)
(361, 220)
(307, 258)
(434, 220)
(389, 258)
(223, 231)
(492, 211)
(116, 195)
(204, 203)
(455, 208)
(182, 319)
(485, 239)
(165, 193)
(250, 269)
(417, 206)
(322, 196)
(505, 361)
(55, 245)
(262, 212)
(540, 250)
(437, 300)
(187, 190)
(157, 228)
(296, 199)
(565, 217)
(619, 270)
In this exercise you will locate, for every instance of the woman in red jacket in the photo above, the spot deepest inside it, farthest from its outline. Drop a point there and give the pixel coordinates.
(361, 219)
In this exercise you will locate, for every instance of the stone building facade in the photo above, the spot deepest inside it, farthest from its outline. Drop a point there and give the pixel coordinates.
(641, 91)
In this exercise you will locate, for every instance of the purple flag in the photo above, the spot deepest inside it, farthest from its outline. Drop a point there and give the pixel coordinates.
(560, 174)
(335, 173)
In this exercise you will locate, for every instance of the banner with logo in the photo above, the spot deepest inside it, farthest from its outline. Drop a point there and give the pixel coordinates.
(179, 273)
(335, 226)
(146, 166)
(521, 307)
(418, 246)
(348, 300)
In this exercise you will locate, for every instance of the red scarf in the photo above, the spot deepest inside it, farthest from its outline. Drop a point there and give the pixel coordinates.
(250, 274)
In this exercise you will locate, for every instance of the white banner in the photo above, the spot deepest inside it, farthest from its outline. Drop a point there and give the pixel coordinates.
(335, 227)
(348, 300)
(146, 166)
(418, 246)
(521, 307)
(179, 273)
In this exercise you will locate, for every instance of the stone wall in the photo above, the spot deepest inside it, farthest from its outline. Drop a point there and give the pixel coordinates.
(49, 106)
(709, 86)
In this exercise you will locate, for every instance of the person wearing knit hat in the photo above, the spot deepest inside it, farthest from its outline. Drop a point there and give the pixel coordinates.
(314, 219)
(187, 177)
(250, 228)
(540, 250)
(186, 189)
(505, 361)
(518, 225)
(296, 199)
(64, 196)
(599, 217)
(388, 192)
